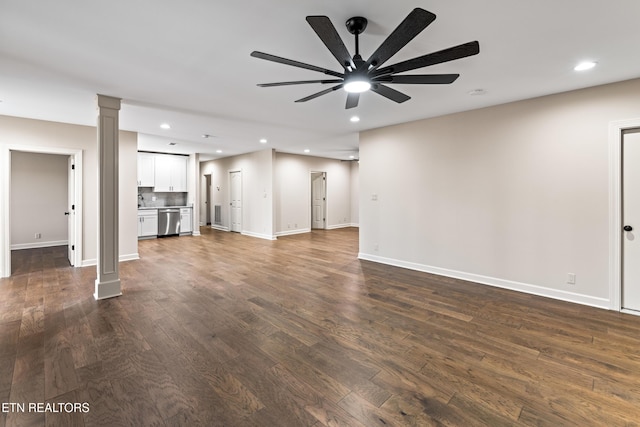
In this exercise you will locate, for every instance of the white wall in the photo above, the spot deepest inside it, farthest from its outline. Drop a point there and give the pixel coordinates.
(355, 193)
(514, 195)
(19, 132)
(276, 191)
(38, 200)
(257, 190)
(293, 192)
(128, 189)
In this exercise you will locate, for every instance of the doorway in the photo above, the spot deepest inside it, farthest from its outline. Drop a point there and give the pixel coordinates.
(71, 210)
(318, 200)
(207, 199)
(630, 294)
(235, 196)
(72, 203)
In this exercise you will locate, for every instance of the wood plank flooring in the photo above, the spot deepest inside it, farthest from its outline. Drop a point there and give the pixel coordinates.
(229, 330)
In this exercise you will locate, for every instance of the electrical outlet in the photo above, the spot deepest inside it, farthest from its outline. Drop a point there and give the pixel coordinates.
(38, 236)
(571, 278)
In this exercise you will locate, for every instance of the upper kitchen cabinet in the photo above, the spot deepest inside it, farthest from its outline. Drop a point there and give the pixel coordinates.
(170, 173)
(146, 170)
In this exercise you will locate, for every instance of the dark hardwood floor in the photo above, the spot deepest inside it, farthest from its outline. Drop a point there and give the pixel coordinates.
(230, 330)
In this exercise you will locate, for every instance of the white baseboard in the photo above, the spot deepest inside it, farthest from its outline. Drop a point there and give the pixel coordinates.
(292, 232)
(336, 226)
(220, 227)
(493, 281)
(130, 257)
(627, 311)
(122, 258)
(34, 245)
(258, 235)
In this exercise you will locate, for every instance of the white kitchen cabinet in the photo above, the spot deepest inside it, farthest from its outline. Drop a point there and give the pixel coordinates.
(186, 223)
(170, 173)
(146, 169)
(147, 223)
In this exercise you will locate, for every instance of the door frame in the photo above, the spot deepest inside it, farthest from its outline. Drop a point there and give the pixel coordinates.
(324, 205)
(5, 198)
(241, 199)
(71, 209)
(208, 212)
(616, 128)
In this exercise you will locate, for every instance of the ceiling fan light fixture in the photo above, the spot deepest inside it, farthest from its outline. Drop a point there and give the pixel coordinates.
(357, 86)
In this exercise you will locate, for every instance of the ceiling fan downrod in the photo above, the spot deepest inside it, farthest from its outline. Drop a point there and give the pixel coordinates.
(356, 26)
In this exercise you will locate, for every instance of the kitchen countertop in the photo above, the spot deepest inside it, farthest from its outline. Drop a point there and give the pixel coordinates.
(162, 207)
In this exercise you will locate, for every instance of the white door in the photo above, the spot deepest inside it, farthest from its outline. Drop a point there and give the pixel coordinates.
(71, 210)
(235, 184)
(318, 199)
(631, 220)
(207, 201)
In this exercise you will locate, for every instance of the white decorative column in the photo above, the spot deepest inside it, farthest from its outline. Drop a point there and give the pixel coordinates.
(108, 281)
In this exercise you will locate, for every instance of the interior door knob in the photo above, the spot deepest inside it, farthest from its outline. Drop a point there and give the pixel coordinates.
(627, 228)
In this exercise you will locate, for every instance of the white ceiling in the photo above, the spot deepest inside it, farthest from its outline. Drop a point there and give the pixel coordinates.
(187, 63)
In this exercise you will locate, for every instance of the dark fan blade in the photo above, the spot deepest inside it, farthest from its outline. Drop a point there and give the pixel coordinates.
(420, 79)
(446, 55)
(293, 63)
(352, 100)
(412, 25)
(301, 82)
(392, 94)
(324, 92)
(329, 36)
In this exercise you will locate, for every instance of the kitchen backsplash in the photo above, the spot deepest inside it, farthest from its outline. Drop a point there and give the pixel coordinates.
(148, 198)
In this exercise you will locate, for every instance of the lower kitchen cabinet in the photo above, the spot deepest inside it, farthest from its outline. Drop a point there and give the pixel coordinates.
(147, 223)
(186, 223)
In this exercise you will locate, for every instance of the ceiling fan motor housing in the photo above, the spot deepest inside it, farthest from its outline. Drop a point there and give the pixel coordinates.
(356, 25)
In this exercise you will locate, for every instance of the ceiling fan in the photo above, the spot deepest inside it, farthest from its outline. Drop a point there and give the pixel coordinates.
(360, 75)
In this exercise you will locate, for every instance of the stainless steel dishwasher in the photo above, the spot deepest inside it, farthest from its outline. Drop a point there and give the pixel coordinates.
(168, 222)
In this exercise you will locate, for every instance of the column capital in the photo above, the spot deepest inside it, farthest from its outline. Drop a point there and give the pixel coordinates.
(110, 102)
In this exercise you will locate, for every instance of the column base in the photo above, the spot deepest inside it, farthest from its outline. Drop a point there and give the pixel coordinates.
(106, 290)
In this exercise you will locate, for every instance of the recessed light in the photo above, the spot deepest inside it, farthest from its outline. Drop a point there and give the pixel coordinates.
(586, 65)
(477, 92)
(165, 126)
(352, 157)
(307, 150)
(218, 151)
(355, 119)
(263, 141)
